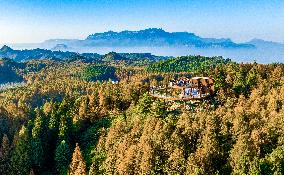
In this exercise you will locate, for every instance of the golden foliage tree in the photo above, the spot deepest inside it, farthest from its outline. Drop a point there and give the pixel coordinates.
(78, 165)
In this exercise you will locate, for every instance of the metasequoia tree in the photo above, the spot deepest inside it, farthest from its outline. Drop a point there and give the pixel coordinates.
(77, 165)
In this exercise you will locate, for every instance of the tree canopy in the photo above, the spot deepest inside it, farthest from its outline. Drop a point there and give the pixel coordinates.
(68, 118)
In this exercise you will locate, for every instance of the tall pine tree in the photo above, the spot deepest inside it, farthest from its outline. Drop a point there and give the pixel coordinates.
(78, 165)
(21, 162)
(62, 157)
(37, 154)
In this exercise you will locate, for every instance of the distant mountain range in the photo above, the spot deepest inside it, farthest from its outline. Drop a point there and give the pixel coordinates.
(259, 43)
(160, 42)
(152, 37)
(158, 37)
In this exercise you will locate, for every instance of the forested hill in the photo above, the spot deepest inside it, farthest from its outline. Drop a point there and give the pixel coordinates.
(22, 55)
(71, 119)
(40, 54)
(8, 71)
(187, 64)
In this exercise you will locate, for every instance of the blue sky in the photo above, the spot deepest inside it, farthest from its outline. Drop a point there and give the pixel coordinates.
(27, 21)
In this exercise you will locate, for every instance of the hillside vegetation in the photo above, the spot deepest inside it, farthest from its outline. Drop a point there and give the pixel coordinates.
(57, 55)
(187, 64)
(98, 73)
(59, 123)
(8, 72)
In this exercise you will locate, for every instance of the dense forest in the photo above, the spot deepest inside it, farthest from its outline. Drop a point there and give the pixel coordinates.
(197, 64)
(70, 118)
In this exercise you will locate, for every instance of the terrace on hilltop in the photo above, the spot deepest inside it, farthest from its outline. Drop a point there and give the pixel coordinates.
(185, 89)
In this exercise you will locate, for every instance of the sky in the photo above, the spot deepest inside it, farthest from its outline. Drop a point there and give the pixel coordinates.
(33, 21)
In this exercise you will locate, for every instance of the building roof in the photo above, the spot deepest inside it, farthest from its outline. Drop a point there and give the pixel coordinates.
(196, 78)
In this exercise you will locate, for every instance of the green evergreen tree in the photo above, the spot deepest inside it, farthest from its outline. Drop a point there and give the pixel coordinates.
(21, 162)
(62, 157)
(53, 122)
(144, 104)
(65, 128)
(276, 159)
(159, 109)
(37, 154)
(220, 78)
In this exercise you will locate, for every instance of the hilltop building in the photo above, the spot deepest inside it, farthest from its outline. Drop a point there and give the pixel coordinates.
(185, 89)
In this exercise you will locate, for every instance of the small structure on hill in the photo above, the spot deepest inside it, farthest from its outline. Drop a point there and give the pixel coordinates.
(185, 89)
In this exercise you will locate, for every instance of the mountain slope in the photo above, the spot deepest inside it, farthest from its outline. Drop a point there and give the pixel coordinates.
(7, 71)
(259, 43)
(159, 37)
(20, 55)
